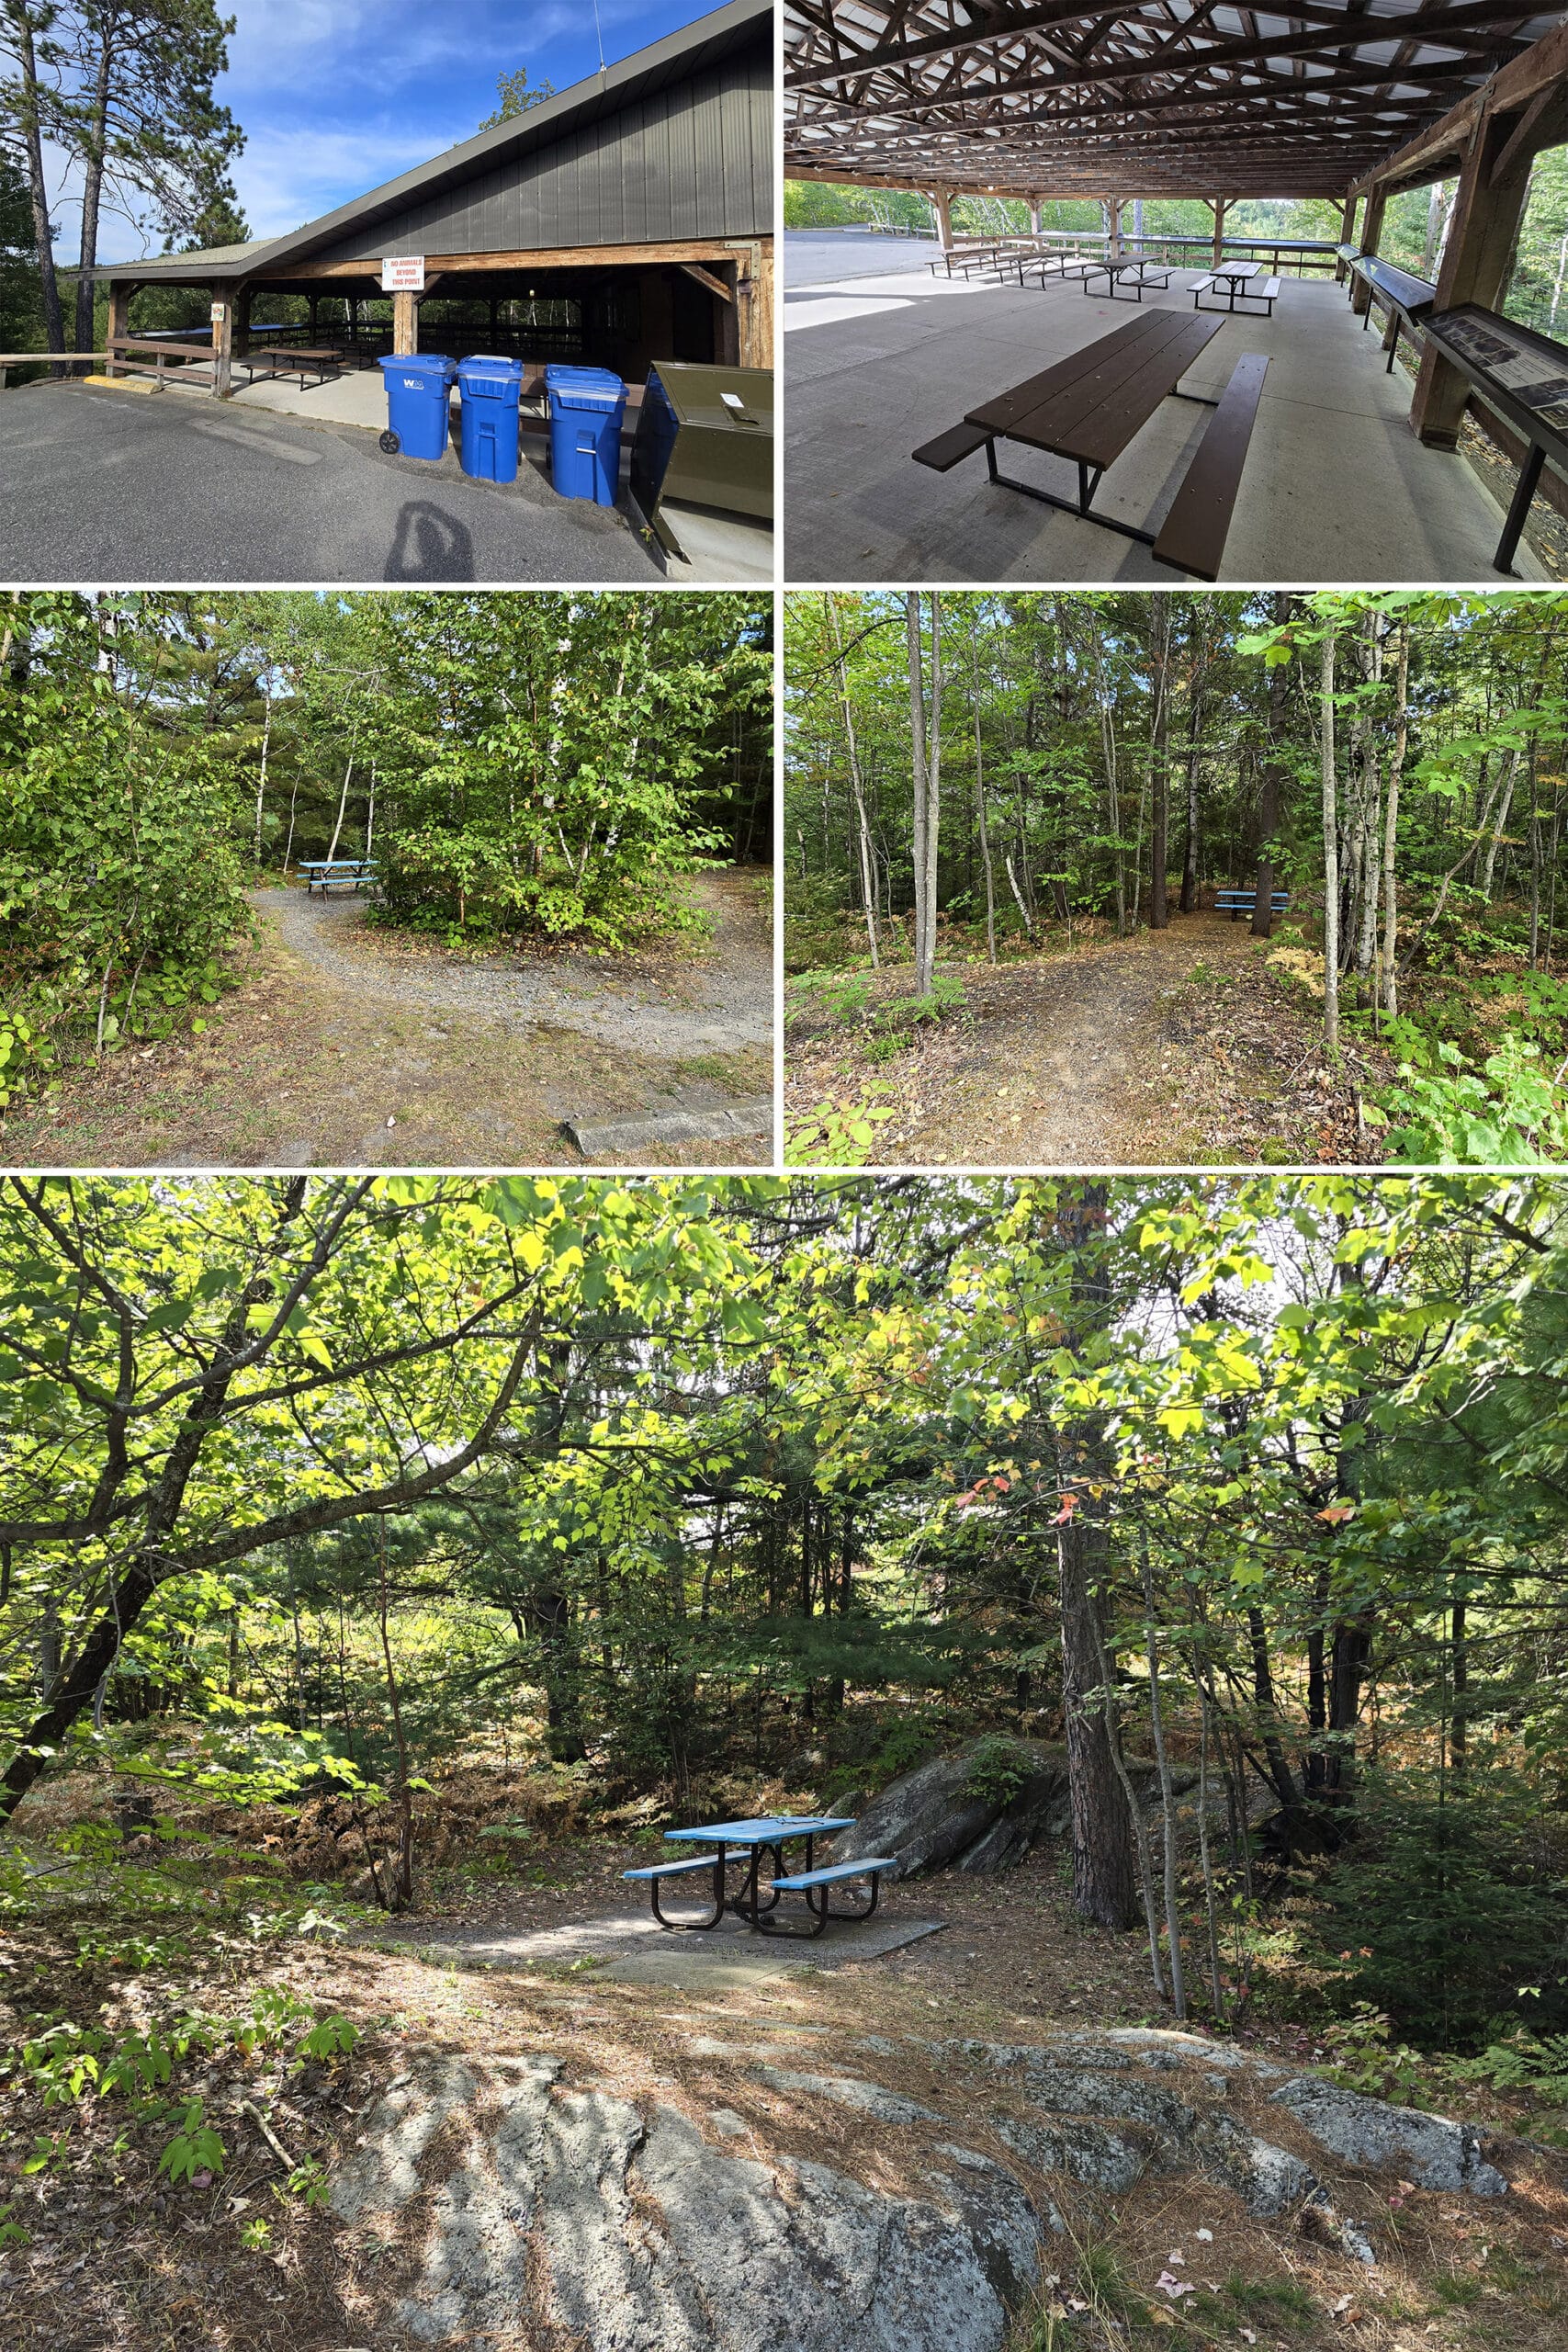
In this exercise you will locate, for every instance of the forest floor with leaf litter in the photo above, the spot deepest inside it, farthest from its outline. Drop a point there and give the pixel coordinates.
(345, 1046)
(1166, 1048)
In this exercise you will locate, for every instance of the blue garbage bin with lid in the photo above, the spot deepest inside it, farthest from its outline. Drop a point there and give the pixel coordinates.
(586, 408)
(419, 395)
(490, 390)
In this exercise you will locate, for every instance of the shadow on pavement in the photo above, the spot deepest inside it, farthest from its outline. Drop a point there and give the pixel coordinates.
(429, 544)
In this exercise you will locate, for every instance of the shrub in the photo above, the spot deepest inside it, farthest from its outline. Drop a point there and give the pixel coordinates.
(1440, 1911)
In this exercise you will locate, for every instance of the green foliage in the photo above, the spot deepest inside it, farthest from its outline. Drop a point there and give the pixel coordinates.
(831, 1135)
(195, 2147)
(309, 2182)
(996, 1771)
(1440, 1911)
(1512, 1111)
(116, 906)
(1367, 2058)
(1523, 2062)
(545, 759)
(329, 2038)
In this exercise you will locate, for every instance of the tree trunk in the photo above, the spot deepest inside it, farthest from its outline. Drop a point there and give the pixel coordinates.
(919, 777)
(863, 830)
(1330, 851)
(342, 797)
(980, 810)
(93, 150)
(25, 18)
(926, 969)
(1194, 753)
(1390, 830)
(1167, 1793)
(261, 781)
(1274, 776)
(1159, 771)
(1104, 1880)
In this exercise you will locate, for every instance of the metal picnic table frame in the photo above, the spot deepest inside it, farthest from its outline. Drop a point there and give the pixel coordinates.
(747, 1842)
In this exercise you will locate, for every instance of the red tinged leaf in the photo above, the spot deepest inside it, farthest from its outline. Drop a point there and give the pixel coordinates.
(1070, 1505)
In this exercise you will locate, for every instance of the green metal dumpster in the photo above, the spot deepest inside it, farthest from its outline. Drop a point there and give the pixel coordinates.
(704, 438)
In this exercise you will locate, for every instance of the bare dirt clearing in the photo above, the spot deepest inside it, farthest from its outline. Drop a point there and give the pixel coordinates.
(1166, 1048)
(345, 1046)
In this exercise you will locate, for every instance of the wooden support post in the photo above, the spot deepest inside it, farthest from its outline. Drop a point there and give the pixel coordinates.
(1371, 234)
(119, 322)
(222, 343)
(1346, 236)
(405, 322)
(1477, 263)
(1219, 206)
(1034, 216)
(1113, 223)
(942, 204)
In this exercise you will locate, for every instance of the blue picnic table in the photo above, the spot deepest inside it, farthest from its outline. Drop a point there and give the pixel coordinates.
(321, 873)
(743, 1844)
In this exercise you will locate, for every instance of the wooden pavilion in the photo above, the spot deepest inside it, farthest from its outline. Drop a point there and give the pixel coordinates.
(1133, 98)
(627, 220)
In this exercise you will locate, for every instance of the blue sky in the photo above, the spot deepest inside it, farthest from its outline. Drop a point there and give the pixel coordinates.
(336, 96)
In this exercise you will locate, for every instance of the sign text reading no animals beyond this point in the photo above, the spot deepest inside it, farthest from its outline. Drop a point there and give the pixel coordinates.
(404, 274)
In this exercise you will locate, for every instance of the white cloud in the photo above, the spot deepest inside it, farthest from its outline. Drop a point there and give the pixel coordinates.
(286, 177)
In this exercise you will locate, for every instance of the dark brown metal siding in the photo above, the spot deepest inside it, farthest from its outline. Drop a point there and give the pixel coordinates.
(692, 161)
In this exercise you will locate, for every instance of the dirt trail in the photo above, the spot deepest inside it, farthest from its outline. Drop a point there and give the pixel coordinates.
(662, 999)
(1167, 1047)
(342, 1047)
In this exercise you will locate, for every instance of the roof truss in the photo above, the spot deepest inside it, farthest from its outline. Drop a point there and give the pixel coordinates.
(1056, 97)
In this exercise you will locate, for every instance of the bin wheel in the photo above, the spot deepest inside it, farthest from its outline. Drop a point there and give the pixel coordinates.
(391, 443)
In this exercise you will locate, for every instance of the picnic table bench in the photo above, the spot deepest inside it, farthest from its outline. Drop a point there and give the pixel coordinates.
(1089, 406)
(1236, 277)
(1236, 903)
(745, 1843)
(321, 873)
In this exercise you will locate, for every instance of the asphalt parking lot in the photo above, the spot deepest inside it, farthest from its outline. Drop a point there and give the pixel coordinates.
(154, 489)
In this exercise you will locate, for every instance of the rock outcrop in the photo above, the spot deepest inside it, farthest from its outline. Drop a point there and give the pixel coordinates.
(901, 2195)
(953, 1813)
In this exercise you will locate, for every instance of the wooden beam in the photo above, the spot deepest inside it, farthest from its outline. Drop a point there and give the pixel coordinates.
(705, 278)
(709, 249)
(405, 322)
(1371, 237)
(1510, 90)
(1477, 258)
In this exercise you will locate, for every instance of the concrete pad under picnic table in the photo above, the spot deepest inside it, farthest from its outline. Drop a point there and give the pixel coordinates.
(632, 1948)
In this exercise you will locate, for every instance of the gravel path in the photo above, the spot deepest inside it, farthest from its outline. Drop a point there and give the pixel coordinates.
(664, 1000)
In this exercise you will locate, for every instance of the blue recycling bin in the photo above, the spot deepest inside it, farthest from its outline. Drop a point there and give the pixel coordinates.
(490, 390)
(586, 408)
(419, 395)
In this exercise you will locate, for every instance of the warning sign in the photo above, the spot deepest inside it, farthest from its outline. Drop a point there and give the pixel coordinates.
(404, 274)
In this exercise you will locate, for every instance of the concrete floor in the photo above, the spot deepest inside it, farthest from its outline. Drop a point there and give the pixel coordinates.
(1336, 488)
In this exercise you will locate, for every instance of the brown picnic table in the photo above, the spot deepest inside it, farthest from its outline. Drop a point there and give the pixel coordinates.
(320, 360)
(1089, 407)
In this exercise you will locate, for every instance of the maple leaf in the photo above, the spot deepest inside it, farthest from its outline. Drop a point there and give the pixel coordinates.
(1070, 1505)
